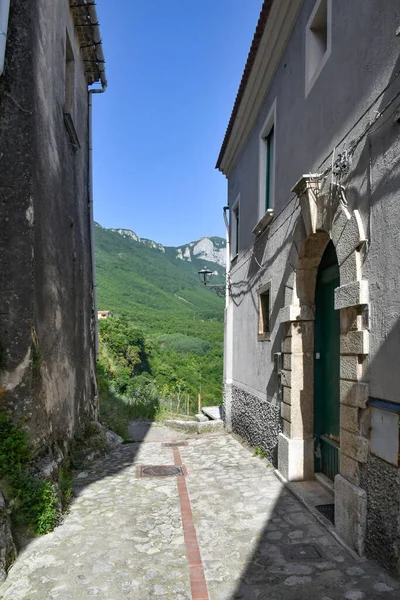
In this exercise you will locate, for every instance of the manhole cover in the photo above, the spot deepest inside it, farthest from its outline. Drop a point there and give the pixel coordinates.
(302, 552)
(328, 510)
(161, 471)
(172, 444)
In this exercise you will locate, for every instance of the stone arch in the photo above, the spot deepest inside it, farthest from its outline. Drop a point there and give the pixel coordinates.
(323, 218)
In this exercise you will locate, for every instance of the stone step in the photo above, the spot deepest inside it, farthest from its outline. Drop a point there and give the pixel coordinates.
(213, 412)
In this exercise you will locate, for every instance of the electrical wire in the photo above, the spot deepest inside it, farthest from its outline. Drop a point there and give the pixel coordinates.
(230, 273)
(366, 111)
(328, 170)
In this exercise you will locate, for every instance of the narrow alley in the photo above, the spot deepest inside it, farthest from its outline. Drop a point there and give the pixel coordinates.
(225, 528)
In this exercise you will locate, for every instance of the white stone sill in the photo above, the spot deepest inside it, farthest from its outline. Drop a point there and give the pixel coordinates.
(264, 222)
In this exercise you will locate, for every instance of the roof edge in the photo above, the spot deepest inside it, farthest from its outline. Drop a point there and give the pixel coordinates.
(87, 25)
(255, 44)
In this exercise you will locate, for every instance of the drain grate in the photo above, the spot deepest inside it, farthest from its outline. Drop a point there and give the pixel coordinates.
(302, 552)
(160, 471)
(328, 510)
(173, 444)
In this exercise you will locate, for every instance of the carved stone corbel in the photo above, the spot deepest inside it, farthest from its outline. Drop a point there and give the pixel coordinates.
(307, 189)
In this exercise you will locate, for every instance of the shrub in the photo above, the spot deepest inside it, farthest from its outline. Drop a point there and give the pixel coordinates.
(33, 500)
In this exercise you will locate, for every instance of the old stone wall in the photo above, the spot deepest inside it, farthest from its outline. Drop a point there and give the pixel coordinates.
(46, 292)
(16, 219)
(63, 307)
(256, 420)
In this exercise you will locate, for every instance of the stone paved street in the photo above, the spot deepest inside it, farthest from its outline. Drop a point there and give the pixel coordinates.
(130, 537)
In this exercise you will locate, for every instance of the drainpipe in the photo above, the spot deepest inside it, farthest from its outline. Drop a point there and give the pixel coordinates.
(103, 80)
(4, 14)
(228, 333)
(91, 226)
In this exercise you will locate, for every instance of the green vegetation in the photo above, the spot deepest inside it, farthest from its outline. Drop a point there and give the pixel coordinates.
(259, 452)
(33, 501)
(164, 345)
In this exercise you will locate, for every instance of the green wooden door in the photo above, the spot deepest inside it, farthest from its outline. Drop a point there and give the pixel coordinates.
(327, 367)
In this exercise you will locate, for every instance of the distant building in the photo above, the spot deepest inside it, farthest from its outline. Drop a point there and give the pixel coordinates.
(103, 314)
(312, 326)
(53, 53)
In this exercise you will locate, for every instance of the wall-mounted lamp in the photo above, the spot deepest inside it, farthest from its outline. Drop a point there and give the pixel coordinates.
(205, 276)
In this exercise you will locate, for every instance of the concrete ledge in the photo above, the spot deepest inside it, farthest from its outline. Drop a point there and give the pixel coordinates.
(350, 513)
(195, 426)
(201, 418)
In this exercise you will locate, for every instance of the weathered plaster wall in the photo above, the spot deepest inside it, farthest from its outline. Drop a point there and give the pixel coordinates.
(307, 130)
(63, 279)
(16, 237)
(46, 280)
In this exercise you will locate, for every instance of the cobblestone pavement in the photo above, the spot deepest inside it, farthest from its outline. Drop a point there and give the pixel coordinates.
(123, 537)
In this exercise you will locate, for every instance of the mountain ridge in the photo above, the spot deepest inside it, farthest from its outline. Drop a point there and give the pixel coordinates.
(155, 288)
(208, 248)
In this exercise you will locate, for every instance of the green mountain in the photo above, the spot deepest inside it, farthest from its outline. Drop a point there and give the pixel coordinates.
(158, 290)
(152, 286)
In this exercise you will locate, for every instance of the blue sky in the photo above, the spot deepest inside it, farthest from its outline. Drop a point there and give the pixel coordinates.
(173, 67)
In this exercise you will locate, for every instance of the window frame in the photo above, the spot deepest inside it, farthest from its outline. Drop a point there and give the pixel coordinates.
(265, 214)
(69, 108)
(310, 79)
(69, 77)
(234, 226)
(263, 334)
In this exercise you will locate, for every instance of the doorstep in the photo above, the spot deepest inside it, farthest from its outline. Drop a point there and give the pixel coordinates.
(311, 494)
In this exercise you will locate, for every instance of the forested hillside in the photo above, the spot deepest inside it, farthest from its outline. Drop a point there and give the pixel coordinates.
(165, 339)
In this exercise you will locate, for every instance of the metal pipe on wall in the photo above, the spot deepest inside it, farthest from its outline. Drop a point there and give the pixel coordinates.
(91, 224)
(4, 15)
(103, 80)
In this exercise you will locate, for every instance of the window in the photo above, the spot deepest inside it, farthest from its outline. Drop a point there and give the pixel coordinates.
(318, 41)
(69, 99)
(266, 172)
(264, 310)
(269, 169)
(69, 77)
(235, 228)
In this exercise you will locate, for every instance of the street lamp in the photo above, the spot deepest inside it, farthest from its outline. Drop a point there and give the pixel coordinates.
(205, 276)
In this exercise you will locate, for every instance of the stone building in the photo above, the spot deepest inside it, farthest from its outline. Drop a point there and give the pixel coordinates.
(53, 57)
(312, 323)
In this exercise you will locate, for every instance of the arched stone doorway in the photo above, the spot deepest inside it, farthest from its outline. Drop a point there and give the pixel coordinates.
(325, 220)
